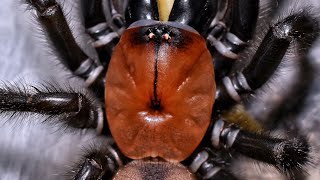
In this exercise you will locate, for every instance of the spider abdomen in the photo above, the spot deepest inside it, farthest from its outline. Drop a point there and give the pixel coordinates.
(160, 91)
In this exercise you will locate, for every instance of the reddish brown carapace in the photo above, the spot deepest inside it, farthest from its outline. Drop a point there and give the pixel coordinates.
(159, 94)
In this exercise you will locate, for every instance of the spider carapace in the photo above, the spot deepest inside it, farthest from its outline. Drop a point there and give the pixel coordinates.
(160, 90)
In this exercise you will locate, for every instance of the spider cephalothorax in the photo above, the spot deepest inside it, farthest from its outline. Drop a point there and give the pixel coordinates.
(171, 103)
(165, 68)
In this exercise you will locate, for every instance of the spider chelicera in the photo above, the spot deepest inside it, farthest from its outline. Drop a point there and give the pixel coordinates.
(163, 102)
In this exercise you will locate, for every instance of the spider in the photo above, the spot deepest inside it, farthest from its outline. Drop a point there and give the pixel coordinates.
(162, 72)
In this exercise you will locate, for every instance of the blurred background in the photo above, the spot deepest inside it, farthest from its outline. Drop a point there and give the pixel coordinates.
(30, 149)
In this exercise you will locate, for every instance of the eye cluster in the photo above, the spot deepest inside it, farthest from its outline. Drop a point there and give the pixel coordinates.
(160, 34)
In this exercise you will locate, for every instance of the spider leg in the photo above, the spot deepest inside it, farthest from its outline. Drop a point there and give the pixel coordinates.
(102, 163)
(285, 154)
(105, 25)
(51, 17)
(71, 108)
(207, 164)
(92, 12)
(225, 44)
(299, 28)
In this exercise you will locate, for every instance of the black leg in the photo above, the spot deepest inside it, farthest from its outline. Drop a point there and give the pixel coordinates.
(288, 155)
(105, 25)
(114, 12)
(92, 12)
(102, 163)
(300, 29)
(71, 108)
(52, 18)
(209, 164)
(241, 16)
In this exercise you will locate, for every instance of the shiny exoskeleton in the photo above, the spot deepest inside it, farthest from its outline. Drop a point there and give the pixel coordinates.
(164, 75)
(160, 90)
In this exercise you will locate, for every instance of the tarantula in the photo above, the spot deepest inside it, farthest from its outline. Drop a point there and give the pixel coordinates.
(166, 70)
